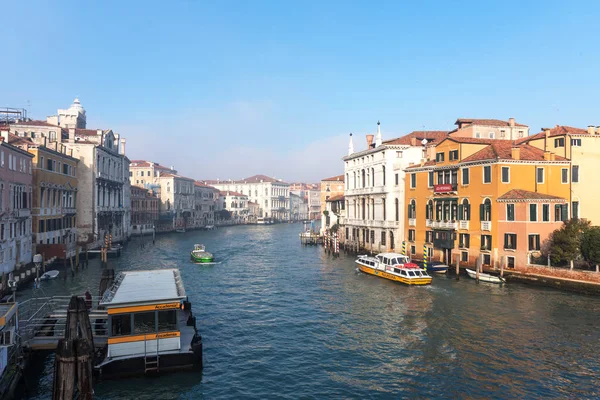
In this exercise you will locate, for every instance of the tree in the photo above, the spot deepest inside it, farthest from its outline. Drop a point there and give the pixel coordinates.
(565, 243)
(590, 245)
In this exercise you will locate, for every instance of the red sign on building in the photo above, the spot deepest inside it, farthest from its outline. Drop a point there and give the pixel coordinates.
(444, 188)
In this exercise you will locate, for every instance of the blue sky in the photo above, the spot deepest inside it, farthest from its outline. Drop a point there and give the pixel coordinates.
(227, 89)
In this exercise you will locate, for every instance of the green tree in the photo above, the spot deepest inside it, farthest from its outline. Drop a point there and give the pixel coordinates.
(590, 245)
(565, 243)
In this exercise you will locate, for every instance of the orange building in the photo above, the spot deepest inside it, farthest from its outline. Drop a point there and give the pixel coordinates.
(331, 187)
(463, 203)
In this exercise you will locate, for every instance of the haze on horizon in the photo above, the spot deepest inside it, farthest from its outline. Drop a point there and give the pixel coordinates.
(232, 89)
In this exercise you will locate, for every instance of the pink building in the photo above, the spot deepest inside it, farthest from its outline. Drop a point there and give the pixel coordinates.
(526, 220)
(15, 205)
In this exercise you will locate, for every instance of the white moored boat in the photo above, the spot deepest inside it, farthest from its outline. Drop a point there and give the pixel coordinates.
(49, 275)
(485, 277)
(395, 267)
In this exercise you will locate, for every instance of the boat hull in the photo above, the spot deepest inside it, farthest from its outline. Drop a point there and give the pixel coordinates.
(437, 270)
(202, 259)
(391, 277)
(485, 277)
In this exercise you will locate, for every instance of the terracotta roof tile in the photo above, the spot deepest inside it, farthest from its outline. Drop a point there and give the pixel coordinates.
(425, 164)
(558, 130)
(339, 178)
(336, 198)
(35, 123)
(432, 136)
(204, 185)
(484, 121)
(520, 194)
(502, 150)
(171, 175)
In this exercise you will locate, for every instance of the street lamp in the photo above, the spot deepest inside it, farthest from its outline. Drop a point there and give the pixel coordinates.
(37, 260)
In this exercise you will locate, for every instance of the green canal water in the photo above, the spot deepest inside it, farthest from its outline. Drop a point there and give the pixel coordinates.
(279, 320)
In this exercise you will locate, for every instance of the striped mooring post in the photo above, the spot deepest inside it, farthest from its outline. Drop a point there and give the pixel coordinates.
(403, 247)
(425, 257)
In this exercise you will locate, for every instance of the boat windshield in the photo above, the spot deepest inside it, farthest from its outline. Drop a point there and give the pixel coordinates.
(411, 273)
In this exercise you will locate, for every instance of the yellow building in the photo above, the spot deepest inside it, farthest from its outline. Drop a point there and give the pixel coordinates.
(462, 204)
(54, 197)
(582, 148)
(330, 187)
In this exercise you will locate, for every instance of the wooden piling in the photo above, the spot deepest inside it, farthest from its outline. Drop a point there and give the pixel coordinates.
(65, 372)
(457, 266)
(85, 354)
(502, 261)
(77, 258)
(87, 255)
(479, 262)
(72, 267)
(44, 262)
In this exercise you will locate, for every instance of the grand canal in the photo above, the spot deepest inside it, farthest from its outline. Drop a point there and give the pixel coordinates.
(286, 321)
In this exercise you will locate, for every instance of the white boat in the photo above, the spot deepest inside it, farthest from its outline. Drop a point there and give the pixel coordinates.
(209, 227)
(180, 230)
(485, 277)
(395, 267)
(49, 275)
(260, 221)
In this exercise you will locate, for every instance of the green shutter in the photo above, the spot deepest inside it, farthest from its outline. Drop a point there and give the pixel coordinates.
(468, 212)
(564, 212)
(481, 212)
(460, 211)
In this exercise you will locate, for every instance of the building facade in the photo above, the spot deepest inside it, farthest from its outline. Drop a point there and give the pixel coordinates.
(177, 199)
(489, 129)
(374, 188)
(144, 211)
(236, 204)
(204, 204)
(146, 174)
(16, 172)
(331, 187)
(481, 199)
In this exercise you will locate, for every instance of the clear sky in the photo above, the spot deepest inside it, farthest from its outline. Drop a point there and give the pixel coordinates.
(224, 89)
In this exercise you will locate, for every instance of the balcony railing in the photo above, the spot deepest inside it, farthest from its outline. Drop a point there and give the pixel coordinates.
(372, 224)
(412, 222)
(366, 190)
(429, 223)
(486, 225)
(22, 212)
(444, 224)
(445, 188)
(463, 224)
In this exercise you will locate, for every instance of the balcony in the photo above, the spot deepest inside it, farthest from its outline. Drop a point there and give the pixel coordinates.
(366, 190)
(429, 223)
(22, 212)
(412, 222)
(486, 225)
(444, 224)
(445, 188)
(372, 224)
(463, 225)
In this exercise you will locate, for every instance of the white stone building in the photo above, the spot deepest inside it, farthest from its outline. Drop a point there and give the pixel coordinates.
(236, 204)
(205, 201)
(374, 188)
(177, 199)
(272, 195)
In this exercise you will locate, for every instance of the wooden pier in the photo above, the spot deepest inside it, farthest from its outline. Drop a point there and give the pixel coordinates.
(310, 239)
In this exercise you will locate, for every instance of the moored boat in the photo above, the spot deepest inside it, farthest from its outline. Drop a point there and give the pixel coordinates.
(483, 277)
(150, 328)
(436, 267)
(49, 275)
(200, 255)
(395, 267)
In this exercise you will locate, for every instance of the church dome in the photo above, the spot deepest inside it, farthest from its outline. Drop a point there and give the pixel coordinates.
(76, 106)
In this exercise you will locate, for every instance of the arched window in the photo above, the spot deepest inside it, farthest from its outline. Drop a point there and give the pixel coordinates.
(392, 238)
(429, 210)
(464, 210)
(485, 210)
(383, 182)
(363, 178)
(397, 209)
(412, 209)
(372, 176)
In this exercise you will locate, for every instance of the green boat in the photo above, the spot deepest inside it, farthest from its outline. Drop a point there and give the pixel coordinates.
(200, 255)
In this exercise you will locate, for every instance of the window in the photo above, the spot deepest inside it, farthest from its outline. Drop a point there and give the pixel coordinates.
(397, 209)
(561, 213)
(539, 176)
(465, 176)
(413, 180)
(485, 210)
(453, 155)
(397, 179)
(144, 322)
(510, 241)
(439, 157)
(502, 133)
(491, 135)
(559, 142)
(2, 159)
(464, 256)
(546, 212)
(505, 175)
(413, 249)
(411, 235)
(486, 242)
(429, 236)
(412, 209)
(510, 262)
(121, 325)
(383, 238)
(533, 212)
(464, 240)
(477, 134)
(564, 175)
(510, 212)
(372, 236)
(575, 174)
(575, 209)
(430, 179)
(464, 210)
(398, 154)
(534, 242)
(487, 259)
(576, 142)
(383, 170)
(429, 210)
(487, 174)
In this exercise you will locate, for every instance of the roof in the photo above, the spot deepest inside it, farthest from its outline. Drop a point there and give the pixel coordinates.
(35, 123)
(526, 195)
(425, 164)
(204, 185)
(335, 178)
(558, 130)
(431, 136)
(171, 175)
(17, 140)
(149, 286)
(485, 121)
(87, 132)
(336, 198)
(251, 179)
(502, 150)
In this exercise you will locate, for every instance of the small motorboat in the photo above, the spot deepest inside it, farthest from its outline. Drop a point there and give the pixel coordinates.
(200, 255)
(209, 227)
(180, 230)
(49, 275)
(437, 267)
(485, 277)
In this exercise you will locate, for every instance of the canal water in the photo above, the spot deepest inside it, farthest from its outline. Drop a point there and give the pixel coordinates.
(280, 320)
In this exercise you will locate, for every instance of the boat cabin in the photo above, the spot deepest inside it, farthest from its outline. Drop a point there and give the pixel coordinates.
(146, 313)
(392, 259)
(8, 325)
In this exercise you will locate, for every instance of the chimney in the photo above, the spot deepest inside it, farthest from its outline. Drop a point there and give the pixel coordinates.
(547, 156)
(413, 141)
(378, 140)
(123, 141)
(598, 130)
(591, 129)
(369, 141)
(547, 132)
(72, 135)
(511, 122)
(515, 153)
